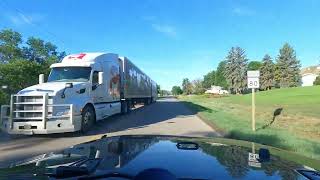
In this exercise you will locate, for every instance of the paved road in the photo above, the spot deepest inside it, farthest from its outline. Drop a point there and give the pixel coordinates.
(165, 117)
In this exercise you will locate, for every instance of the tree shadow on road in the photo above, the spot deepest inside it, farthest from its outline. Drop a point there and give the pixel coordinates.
(196, 108)
(142, 117)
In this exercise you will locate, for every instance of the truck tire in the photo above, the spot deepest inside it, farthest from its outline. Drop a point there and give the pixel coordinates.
(88, 119)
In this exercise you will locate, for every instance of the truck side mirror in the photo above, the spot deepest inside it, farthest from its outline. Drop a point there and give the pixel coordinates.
(41, 78)
(67, 85)
(100, 78)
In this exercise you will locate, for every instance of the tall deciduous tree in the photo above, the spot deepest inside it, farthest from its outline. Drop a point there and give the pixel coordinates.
(39, 50)
(288, 67)
(220, 79)
(20, 64)
(267, 73)
(209, 79)
(197, 85)
(9, 45)
(186, 86)
(176, 90)
(20, 73)
(236, 69)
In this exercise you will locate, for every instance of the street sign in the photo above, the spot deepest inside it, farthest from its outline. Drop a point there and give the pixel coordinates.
(253, 160)
(253, 79)
(254, 164)
(253, 74)
(253, 83)
(253, 157)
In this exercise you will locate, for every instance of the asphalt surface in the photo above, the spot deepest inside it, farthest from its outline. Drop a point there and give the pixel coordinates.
(165, 117)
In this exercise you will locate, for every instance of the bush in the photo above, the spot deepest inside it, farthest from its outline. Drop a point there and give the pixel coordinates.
(317, 81)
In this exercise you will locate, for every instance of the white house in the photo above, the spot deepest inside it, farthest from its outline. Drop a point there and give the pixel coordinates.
(216, 90)
(309, 75)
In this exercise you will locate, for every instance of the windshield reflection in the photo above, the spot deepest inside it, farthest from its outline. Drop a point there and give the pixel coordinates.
(132, 155)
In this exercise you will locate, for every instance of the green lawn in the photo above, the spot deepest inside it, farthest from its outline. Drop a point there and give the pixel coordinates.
(297, 128)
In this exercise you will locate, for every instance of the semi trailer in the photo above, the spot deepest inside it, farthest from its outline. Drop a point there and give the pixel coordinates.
(80, 90)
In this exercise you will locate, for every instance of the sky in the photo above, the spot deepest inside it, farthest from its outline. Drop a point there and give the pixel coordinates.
(170, 39)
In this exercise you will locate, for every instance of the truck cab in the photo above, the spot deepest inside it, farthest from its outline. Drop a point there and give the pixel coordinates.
(81, 89)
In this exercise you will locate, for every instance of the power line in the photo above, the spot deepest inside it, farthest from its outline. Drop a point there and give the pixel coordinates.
(29, 21)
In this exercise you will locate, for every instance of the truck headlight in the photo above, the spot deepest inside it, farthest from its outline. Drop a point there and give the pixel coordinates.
(63, 112)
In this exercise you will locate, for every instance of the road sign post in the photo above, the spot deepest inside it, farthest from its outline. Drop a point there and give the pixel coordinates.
(253, 83)
(253, 104)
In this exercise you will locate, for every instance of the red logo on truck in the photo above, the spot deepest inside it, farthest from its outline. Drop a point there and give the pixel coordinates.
(77, 56)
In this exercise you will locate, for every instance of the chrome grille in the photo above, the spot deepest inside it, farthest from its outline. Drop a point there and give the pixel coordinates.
(28, 108)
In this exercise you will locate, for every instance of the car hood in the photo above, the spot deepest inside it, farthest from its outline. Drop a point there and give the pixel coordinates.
(198, 158)
(50, 87)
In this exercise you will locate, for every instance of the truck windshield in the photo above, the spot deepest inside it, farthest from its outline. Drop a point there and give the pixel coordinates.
(69, 74)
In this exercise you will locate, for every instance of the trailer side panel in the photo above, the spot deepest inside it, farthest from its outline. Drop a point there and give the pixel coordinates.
(136, 84)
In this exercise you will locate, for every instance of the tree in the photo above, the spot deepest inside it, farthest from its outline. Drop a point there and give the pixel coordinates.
(186, 86)
(20, 64)
(220, 79)
(164, 93)
(9, 45)
(176, 90)
(20, 73)
(208, 79)
(236, 69)
(158, 88)
(288, 67)
(317, 81)
(267, 73)
(3, 97)
(198, 86)
(39, 50)
(254, 65)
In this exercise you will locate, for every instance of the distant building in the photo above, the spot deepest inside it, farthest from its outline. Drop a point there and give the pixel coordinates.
(309, 75)
(216, 90)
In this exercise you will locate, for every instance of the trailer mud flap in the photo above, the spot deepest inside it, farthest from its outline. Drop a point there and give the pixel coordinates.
(4, 117)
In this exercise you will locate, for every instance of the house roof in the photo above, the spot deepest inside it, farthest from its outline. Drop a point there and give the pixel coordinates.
(310, 70)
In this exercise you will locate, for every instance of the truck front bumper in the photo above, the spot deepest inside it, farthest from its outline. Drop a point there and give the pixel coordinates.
(55, 126)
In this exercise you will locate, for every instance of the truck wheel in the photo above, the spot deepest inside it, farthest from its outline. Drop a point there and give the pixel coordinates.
(88, 119)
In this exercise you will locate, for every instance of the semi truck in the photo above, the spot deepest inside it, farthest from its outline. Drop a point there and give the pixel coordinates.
(80, 90)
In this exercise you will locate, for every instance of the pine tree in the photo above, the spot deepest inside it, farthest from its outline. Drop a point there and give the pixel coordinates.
(267, 73)
(288, 67)
(236, 69)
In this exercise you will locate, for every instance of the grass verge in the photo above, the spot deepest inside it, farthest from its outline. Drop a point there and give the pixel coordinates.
(295, 128)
